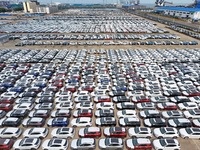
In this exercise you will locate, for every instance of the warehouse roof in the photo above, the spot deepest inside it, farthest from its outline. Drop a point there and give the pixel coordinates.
(179, 9)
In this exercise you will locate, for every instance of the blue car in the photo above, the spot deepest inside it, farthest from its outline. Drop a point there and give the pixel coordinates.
(60, 122)
(17, 89)
(7, 84)
(120, 88)
(40, 84)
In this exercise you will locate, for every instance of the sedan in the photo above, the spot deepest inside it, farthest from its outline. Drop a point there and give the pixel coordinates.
(10, 132)
(90, 132)
(140, 132)
(83, 144)
(27, 143)
(36, 132)
(34, 122)
(104, 113)
(83, 113)
(193, 133)
(82, 121)
(105, 105)
(179, 122)
(55, 144)
(111, 144)
(138, 143)
(126, 113)
(58, 122)
(165, 132)
(166, 144)
(63, 132)
(6, 144)
(115, 132)
(129, 122)
(155, 122)
(106, 121)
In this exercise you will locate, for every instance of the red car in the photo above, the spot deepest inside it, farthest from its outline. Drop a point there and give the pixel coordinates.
(6, 107)
(83, 113)
(87, 88)
(58, 84)
(7, 100)
(138, 144)
(71, 89)
(99, 99)
(167, 106)
(191, 93)
(115, 132)
(140, 99)
(6, 144)
(90, 132)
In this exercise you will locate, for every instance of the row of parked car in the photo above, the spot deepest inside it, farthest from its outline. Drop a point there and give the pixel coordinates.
(182, 28)
(129, 55)
(90, 143)
(72, 43)
(93, 36)
(95, 25)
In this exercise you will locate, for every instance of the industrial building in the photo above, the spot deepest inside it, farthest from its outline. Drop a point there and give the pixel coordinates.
(191, 11)
(180, 12)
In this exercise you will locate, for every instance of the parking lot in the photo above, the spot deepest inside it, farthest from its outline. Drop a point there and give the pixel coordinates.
(39, 80)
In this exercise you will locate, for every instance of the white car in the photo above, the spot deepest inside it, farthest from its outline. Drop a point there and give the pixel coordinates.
(141, 132)
(63, 132)
(102, 98)
(21, 106)
(10, 94)
(65, 105)
(85, 105)
(105, 105)
(192, 114)
(36, 133)
(126, 113)
(27, 143)
(81, 122)
(188, 106)
(165, 132)
(63, 99)
(145, 105)
(149, 113)
(83, 144)
(172, 114)
(89, 131)
(63, 94)
(135, 93)
(98, 93)
(55, 144)
(193, 133)
(82, 98)
(139, 143)
(10, 132)
(61, 113)
(111, 144)
(166, 144)
(81, 93)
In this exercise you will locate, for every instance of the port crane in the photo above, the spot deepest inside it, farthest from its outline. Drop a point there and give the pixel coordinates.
(160, 3)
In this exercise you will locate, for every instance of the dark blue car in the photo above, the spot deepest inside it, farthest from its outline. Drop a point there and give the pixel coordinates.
(60, 122)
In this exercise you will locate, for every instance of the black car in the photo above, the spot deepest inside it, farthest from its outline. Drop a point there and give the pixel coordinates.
(18, 113)
(155, 122)
(117, 93)
(11, 122)
(29, 94)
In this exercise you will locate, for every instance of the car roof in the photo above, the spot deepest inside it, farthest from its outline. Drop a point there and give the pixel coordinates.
(93, 129)
(143, 141)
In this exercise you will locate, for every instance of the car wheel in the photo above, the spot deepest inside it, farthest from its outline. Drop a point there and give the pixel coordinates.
(133, 137)
(74, 126)
(160, 137)
(189, 117)
(186, 137)
(148, 137)
(17, 149)
(33, 149)
(175, 137)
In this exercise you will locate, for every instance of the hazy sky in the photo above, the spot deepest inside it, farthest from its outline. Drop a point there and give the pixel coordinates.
(111, 1)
